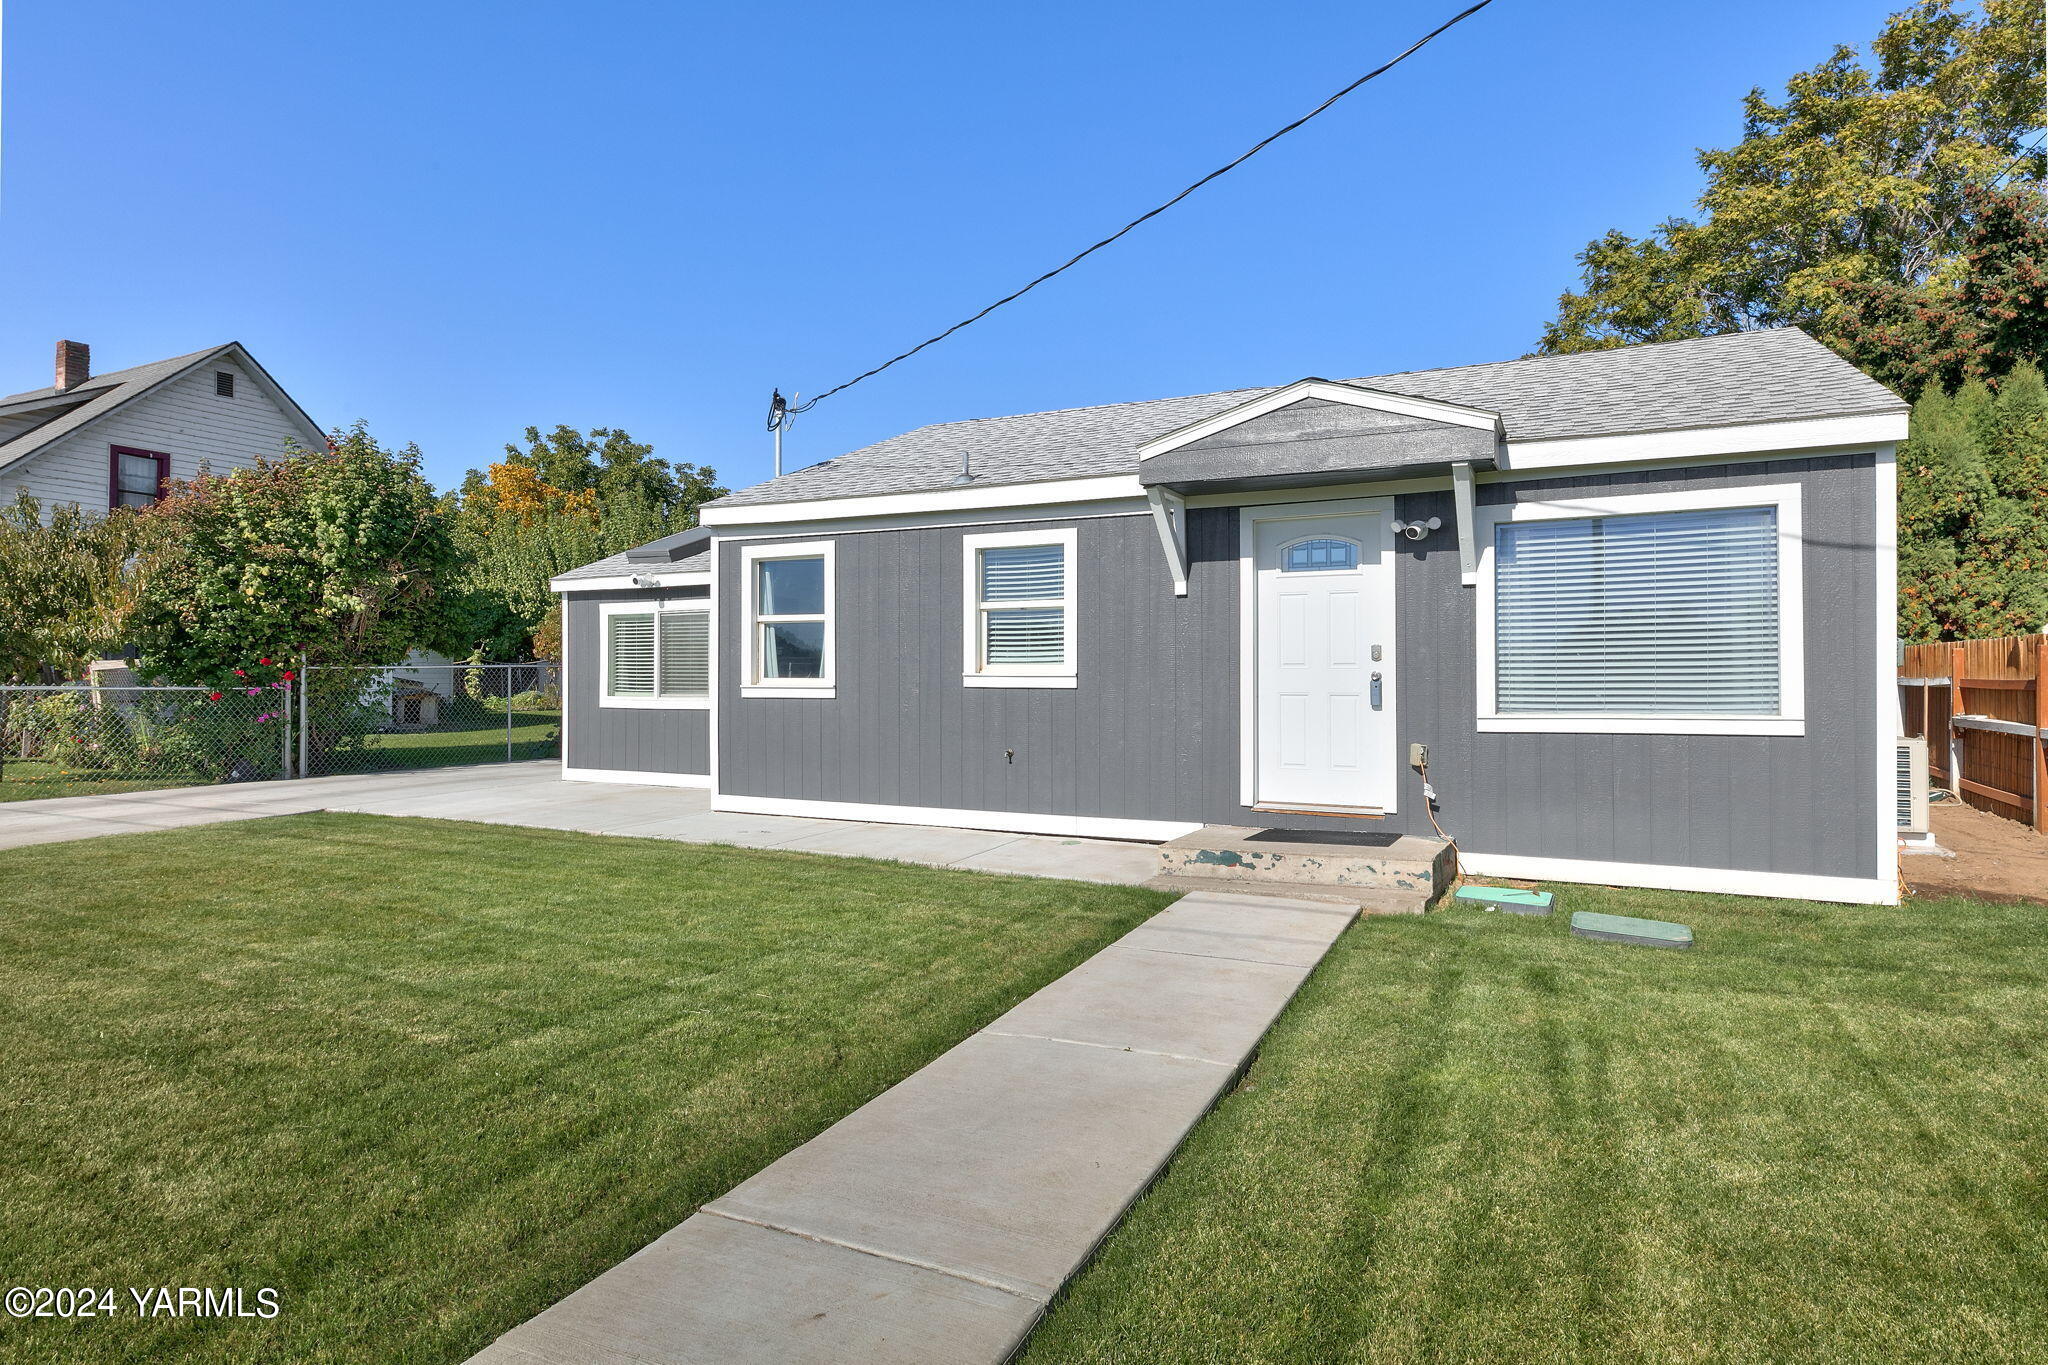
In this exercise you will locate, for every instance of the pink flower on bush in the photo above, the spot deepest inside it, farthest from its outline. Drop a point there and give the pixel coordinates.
(253, 691)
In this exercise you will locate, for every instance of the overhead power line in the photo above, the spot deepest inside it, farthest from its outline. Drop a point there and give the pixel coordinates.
(780, 411)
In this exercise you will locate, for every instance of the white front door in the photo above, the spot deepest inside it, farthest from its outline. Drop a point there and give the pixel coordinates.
(1323, 602)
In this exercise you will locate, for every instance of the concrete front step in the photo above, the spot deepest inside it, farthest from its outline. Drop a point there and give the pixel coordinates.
(1251, 859)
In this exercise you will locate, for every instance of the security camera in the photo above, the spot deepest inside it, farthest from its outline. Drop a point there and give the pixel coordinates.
(1416, 530)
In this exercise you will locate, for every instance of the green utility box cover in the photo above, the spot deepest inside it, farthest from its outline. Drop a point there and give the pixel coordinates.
(1512, 899)
(1648, 933)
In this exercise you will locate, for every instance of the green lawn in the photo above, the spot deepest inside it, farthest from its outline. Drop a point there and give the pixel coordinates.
(423, 1078)
(35, 780)
(1818, 1136)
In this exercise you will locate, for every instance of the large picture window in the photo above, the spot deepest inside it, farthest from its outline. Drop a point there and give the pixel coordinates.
(1019, 609)
(1653, 613)
(788, 642)
(656, 654)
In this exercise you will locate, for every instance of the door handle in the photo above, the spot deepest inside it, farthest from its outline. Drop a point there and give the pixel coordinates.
(1375, 691)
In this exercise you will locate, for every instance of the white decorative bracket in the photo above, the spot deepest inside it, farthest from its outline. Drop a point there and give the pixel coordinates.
(1468, 544)
(1170, 518)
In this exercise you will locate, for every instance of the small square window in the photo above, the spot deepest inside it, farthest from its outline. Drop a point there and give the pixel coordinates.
(136, 478)
(1019, 609)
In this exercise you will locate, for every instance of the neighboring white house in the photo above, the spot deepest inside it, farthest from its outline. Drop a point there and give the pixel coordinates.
(112, 440)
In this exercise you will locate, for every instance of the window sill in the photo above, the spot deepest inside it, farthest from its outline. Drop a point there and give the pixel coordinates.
(1019, 680)
(811, 693)
(1642, 725)
(655, 703)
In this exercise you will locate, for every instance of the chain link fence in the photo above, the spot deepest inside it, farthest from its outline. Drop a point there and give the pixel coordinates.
(81, 739)
(391, 718)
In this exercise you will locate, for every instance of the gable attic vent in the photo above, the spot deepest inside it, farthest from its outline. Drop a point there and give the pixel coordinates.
(224, 383)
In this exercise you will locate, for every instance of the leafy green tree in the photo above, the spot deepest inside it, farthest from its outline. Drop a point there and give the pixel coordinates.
(1859, 175)
(343, 555)
(563, 499)
(1973, 512)
(68, 580)
(1978, 327)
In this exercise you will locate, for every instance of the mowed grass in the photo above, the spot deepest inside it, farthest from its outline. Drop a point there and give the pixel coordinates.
(423, 1078)
(1821, 1135)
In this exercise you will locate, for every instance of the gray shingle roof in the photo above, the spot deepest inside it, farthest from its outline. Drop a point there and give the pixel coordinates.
(618, 566)
(103, 393)
(1765, 376)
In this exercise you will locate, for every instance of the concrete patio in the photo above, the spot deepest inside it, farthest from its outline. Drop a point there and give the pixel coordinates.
(534, 794)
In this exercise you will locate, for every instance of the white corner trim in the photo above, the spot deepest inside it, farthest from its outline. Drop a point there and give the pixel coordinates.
(1015, 822)
(657, 580)
(1045, 492)
(1351, 395)
(1885, 541)
(1061, 674)
(1691, 442)
(1169, 518)
(1791, 716)
(637, 779)
(750, 684)
(1662, 877)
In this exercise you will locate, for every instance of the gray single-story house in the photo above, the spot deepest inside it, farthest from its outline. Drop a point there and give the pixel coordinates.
(1633, 609)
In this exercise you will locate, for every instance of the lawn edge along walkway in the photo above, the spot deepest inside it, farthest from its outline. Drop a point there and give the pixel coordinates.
(933, 1224)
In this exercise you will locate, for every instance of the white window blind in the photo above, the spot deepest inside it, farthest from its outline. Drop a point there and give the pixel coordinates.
(1662, 613)
(685, 654)
(1023, 606)
(629, 655)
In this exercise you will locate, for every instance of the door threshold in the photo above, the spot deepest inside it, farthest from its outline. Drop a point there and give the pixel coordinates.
(1341, 812)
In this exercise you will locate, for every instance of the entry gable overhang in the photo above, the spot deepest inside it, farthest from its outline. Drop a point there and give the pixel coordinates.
(1317, 431)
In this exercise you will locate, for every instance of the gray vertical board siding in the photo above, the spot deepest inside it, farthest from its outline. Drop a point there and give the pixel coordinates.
(1153, 732)
(625, 739)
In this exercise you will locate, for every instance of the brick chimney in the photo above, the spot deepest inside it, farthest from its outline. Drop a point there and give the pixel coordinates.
(74, 364)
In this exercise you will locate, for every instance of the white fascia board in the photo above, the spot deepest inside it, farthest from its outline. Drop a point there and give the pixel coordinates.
(1721, 881)
(700, 579)
(1694, 442)
(1097, 488)
(1351, 395)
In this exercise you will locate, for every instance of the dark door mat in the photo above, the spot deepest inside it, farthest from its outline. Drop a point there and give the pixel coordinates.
(1322, 836)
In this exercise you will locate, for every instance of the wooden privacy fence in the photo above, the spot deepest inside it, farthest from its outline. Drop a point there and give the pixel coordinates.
(1982, 706)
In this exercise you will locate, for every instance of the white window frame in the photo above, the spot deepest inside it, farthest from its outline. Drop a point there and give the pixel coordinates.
(656, 608)
(751, 684)
(973, 673)
(1788, 719)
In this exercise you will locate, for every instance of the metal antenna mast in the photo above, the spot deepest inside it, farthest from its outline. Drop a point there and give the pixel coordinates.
(781, 412)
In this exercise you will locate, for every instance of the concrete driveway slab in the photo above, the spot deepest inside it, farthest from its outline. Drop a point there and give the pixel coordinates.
(1079, 860)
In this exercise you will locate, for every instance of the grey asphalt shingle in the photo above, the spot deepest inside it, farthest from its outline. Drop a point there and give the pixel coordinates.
(618, 566)
(1764, 376)
(99, 394)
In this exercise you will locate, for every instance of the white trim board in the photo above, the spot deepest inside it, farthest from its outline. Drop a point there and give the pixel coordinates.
(1890, 703)
(637, 779)
(1328, 391)
(1092, 488)
(1790, 718)
(699, 579)
(1663, 877)
(1692, 442)
(1014, 822)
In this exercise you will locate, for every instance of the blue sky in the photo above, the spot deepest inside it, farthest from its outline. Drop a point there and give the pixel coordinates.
(455, 219)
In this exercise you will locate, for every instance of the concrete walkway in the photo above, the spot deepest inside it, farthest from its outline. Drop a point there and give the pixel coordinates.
(932, 1225)
(534, 794)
